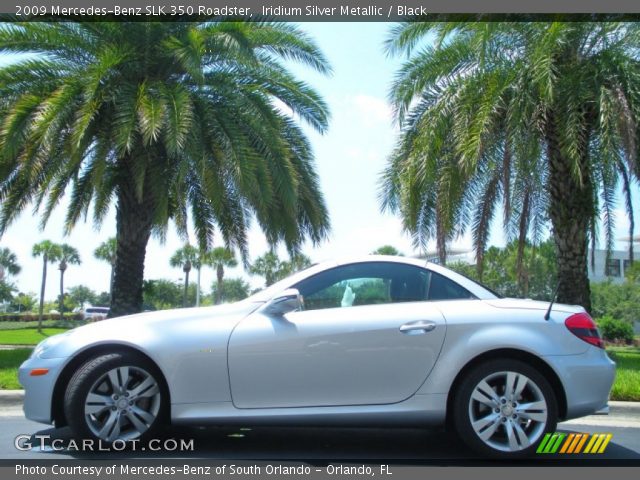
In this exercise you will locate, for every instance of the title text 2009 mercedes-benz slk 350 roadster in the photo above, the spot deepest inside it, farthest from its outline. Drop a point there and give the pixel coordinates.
(371, 341)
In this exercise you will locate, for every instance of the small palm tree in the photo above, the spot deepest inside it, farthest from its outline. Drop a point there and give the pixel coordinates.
(68, 256)
(50, 253)
(219, 258)
(106, 252)
(8, 263)
(267, 266)
(185, 258)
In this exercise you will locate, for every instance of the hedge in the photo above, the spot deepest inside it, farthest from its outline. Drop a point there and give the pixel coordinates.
(33, 317)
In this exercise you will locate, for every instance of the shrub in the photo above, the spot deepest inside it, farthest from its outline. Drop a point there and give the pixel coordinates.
(614, 330)
(33, 317)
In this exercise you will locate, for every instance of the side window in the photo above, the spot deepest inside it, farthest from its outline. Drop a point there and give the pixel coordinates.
(364, 284)
(441, 288)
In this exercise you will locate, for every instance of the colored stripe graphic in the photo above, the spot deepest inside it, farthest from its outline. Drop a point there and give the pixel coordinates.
(550, 443)
(574, 443)
(578, 447)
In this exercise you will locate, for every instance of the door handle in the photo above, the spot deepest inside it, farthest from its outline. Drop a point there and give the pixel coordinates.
(420, 326)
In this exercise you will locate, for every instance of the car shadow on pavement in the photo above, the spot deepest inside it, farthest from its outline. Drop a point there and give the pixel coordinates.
(312, 445)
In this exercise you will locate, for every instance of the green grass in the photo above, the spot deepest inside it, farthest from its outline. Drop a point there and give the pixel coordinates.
(27, 336)
(10, 360)
(627, 384)
(4, 325)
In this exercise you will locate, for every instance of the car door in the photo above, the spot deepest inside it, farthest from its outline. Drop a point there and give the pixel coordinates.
(366, 336)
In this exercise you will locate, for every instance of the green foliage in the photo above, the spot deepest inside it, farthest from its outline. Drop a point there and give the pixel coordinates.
(619, 301)
(534, 277)
(615, 330)
(102, 299)
(8, 263)
(233, 289)
(273, 269)
(387, 250)
(220, 257)
(31, 317)
(162, 294)
(48, 250)
(632, 273)
(82, 295)
(185, 258)
(6, 291)
(23, 302)
(106, 251)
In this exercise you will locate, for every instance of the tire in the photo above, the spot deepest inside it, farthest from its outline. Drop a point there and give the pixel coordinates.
(116, 397)
(510, 418)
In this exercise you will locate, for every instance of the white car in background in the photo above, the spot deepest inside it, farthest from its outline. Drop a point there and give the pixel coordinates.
(95, 313)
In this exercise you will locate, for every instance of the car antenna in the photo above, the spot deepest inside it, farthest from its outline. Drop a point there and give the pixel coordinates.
(553, 299)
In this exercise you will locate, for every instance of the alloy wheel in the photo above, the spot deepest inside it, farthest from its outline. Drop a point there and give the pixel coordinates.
(122, 404)
(508, 411)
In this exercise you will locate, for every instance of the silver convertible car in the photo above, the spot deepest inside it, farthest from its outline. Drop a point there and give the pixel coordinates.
(370, 341)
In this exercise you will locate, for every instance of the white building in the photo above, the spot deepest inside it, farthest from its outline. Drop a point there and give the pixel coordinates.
(613, 270)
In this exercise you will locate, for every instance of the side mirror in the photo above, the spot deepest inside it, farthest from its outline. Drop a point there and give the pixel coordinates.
(288, 301)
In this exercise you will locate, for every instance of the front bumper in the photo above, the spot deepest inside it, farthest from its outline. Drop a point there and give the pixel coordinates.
(38, 390)
(587, 380)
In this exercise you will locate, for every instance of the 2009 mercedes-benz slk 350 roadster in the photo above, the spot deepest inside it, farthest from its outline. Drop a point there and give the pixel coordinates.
(371, 341)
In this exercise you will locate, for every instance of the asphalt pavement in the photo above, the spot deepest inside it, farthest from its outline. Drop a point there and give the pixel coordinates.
(373, 445)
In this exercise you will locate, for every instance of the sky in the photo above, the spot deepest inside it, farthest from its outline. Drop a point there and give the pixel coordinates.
(349, 159)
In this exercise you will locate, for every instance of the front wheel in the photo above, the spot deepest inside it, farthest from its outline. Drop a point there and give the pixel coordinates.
(115, 397)
(503, 407)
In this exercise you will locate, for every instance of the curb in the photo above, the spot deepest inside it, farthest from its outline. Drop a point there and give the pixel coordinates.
(625, 408)
(11, 398)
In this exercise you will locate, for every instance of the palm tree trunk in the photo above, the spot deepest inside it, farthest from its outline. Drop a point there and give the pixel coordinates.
(219, 277)
(61, 295)
(113, 267)
(198, 291)
(44, 282)
(571, 204)
(186, 288)
(133, 229)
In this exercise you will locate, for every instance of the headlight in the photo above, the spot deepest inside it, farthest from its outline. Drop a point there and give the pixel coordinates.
(47, 343)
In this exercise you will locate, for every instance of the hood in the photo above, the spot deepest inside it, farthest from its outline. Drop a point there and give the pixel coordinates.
(159, 318)
(144, 329)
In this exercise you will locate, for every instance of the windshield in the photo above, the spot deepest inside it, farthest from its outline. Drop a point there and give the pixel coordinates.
(269, 292)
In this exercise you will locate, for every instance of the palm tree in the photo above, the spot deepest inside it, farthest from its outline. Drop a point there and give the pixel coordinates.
(50, 253)
(219, 258)
(540, 117)
(8, 263)
(273, 269)
(68, 255)
(268, 266)
(185, 258)
(106, 252)
(171, 120)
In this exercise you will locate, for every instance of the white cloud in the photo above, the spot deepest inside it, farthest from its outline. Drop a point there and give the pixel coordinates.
(373, 110)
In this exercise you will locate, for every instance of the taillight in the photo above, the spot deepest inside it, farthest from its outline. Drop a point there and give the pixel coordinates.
(583, 327)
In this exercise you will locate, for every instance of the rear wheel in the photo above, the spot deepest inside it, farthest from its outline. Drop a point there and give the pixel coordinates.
(115, 397)
(503, 407)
